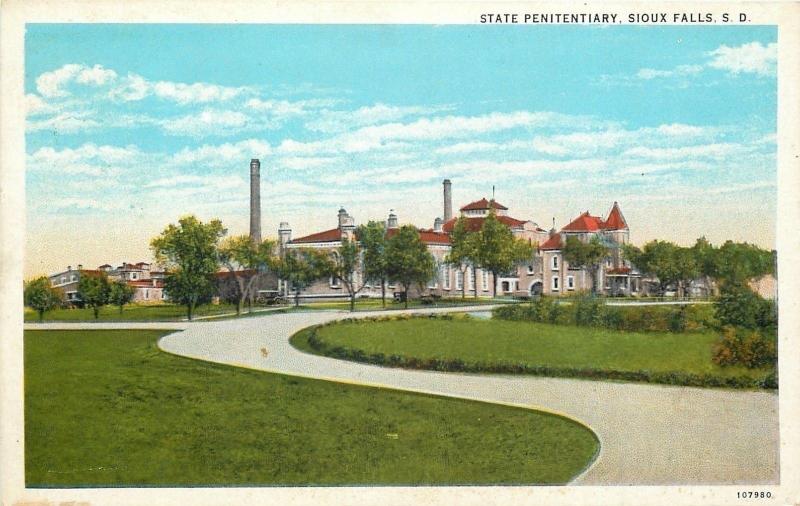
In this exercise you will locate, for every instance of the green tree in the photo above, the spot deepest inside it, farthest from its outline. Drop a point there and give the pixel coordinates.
(372, 237)
(94, 290)
(464, 251)
(120, 293)
(408, 260)
(657, 259)
(189, 253)
(344, 266)
(41, 296)
(246, 263)
(586, 255)
(737, 263)
(301, 267)
(498, 251)
(688, 269)
(705, 255)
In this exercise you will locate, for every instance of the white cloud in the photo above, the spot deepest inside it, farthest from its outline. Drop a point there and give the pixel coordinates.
(467, 147)
(88, 160)
(680, 70)
(304, 163)
(200, 182)
(716, 150)
(35, 105)
(97, 75)
(65, 122)
(339, 121)
(207, 122)
(133, 87)
(79, 204)
(223, 154)
(49, 84)
(753, 57)
(196, 92)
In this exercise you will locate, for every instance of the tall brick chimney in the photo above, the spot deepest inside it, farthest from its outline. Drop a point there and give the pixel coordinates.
(448, 200)
(255, 200)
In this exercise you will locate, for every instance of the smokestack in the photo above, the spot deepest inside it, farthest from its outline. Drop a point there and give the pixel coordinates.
(255, 201)
(448, 200)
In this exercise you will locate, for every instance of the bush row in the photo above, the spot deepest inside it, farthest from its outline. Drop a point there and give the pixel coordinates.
(318, 344)
(593, 312)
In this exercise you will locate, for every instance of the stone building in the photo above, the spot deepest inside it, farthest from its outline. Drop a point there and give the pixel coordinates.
(546, 272)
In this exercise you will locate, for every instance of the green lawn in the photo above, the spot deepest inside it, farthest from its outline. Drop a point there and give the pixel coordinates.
(536, 344)
(130, 312)
(375, 304)
(107, 408)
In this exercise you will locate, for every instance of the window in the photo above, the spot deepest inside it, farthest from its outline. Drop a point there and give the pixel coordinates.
(485, 276)
(459, 280)
(608, 262)
(391, 284)
(146, 294)
(446, 270)
(570, 282)
(530, 269)
(63, 279)
(555, 262)
(470, 279)
(555, 283)
(73, 277)
(334, 282)
(134, 275)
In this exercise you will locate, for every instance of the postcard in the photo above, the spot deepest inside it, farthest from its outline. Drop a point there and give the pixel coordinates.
(348, 253)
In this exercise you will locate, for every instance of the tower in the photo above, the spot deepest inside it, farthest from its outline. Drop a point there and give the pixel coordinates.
(448, 200)
(255, 201)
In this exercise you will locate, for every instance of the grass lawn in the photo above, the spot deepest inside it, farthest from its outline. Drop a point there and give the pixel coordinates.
(107, 408)
(130, 312)
(498, 341)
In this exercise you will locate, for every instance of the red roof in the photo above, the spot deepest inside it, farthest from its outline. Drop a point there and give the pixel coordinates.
(475, 223)
(146, 283)
(553, 243)
(483, 204)
(332, 235)
(615, 220)
(584, 223)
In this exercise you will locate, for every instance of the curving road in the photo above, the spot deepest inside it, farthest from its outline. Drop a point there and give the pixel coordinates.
(649, 435)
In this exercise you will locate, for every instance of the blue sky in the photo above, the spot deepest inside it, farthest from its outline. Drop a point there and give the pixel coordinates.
(131, 126)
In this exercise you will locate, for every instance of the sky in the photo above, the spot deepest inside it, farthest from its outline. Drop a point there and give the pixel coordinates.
(130, 127)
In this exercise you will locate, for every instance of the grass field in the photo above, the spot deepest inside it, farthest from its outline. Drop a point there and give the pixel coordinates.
(172, 312)
(107, 408)
(130, 312)
(498, 341)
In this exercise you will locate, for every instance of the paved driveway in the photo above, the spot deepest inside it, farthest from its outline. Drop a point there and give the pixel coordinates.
(649, 435)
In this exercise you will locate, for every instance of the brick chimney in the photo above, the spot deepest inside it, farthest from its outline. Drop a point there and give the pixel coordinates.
(255, 200)
(448, 200)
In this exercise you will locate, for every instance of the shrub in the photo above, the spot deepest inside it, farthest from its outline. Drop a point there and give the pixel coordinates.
(739, 347)
(739, 306)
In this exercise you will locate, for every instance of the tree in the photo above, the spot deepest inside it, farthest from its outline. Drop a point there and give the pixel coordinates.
(344, 266)
(120, 293)
(464, 251)
(301, 267)
(705, 255)
(657, 259)
(687, 269)
(586, 255)
(189, 253)
(41, 296)
(737, 263)
(498, 251)
(373, 243)
(246, 263)
(408, 260)
(94, 290)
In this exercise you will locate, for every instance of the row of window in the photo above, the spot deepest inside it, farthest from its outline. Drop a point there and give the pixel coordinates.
(556, 283)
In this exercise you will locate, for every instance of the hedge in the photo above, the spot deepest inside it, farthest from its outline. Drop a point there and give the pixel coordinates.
(768, 381)
(593, 312)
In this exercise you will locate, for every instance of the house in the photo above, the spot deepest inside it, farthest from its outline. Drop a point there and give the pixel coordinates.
(148, 283)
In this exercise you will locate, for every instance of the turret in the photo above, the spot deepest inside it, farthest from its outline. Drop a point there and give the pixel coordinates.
(392, 221)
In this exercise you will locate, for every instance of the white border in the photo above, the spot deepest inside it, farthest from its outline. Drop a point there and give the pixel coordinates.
(15, 13)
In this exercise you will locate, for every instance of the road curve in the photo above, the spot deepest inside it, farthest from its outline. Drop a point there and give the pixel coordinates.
(649, 434)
